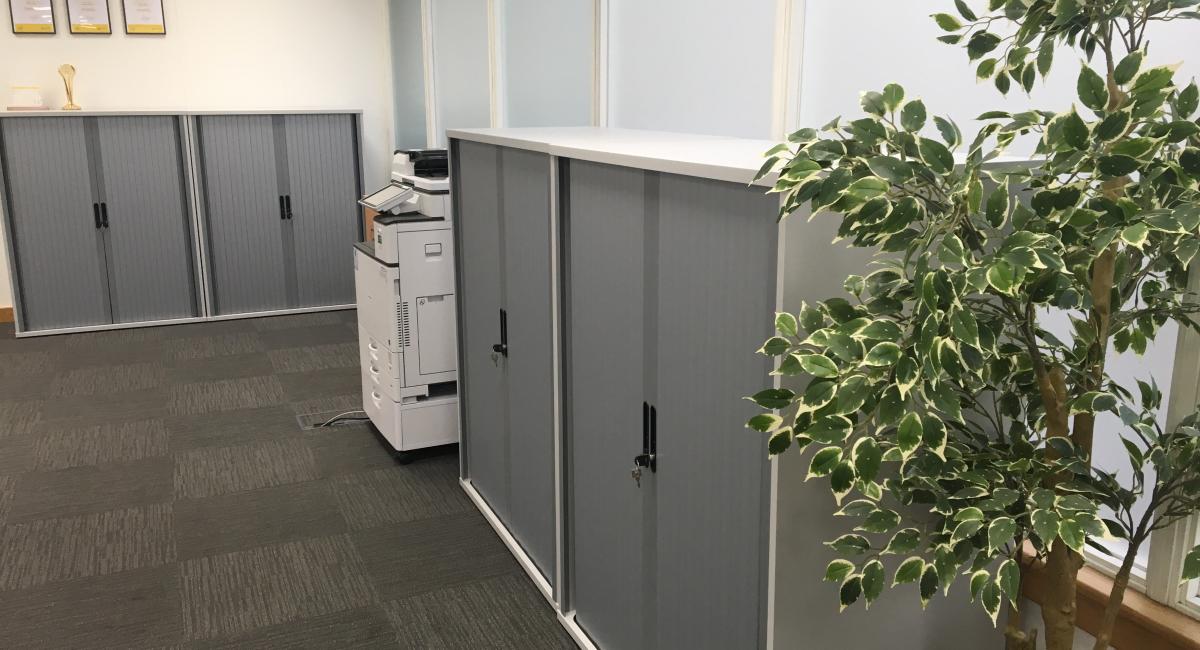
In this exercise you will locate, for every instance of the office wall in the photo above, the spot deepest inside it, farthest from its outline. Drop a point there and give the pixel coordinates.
(547, 62)
(224, 55)
(696, 66)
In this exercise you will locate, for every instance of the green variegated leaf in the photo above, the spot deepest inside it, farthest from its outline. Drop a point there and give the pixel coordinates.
(841, 480)
(929, 584)
(830, 429)
(850, 545)
(1001, 531)
(979, 580)
(904, 541)
(1045, 524)
(872, 581)
(773, 398)
(883, 354)
(818, 365)
(966, 530)
(850, 592)
(1008, 578)
(824, 461)
(1191, 564)
(880, 521)
(787, 324)
(1093, 91)
(765, 422)
(838, 570)
(909, 570)
(868, 457)
(908, 435)
(780, 441)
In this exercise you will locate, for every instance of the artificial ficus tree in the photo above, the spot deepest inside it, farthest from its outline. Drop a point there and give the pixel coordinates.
(954, 426)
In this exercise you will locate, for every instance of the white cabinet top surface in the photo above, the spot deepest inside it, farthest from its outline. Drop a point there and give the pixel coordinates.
(720, 158)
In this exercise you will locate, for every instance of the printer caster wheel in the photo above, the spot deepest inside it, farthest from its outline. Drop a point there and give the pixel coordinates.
(404, 457)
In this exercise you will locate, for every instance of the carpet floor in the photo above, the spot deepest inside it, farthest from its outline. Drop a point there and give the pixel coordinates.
(157, 491)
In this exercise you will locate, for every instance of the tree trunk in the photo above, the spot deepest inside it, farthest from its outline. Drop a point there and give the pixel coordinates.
(1113, 609)
(1016, 638)
(1058, 607)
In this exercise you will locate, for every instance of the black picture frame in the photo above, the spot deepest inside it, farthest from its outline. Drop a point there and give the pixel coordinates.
(71, 23)
(12, 20)
(125, 18)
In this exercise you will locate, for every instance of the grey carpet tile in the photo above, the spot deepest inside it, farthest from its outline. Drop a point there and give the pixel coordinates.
(208, 328)
(51, 550)
(7, 486)
(108, 379)
(350, 401)
(17, 453)
(236, 366)
(304, 386)
(63, 447)
(112, 355)
(28, 386)
(233, 593)
(231, 428)
(130, 609)
(402, 493)
(293, 321)
(360, 629)
(501, 613)
(225, 395)
(24, 364)
(437, 553)
(17, 417)
(86, 490)
(207, 347)
(245, 520)
(226, 470)
(121, 338)
(320, 357)
(104, 408)
(348, 449)
(298, 337)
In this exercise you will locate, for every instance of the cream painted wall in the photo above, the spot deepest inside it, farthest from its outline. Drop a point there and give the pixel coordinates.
(223, 55)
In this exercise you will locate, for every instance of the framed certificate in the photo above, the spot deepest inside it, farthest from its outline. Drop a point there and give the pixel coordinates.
(144, 17)
(32, 16)
(89, 16)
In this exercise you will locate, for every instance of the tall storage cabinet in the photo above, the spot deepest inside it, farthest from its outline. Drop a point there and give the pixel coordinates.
(280, 195)
(504, 262)
(664, 268)
(681, 268)
(98, 220)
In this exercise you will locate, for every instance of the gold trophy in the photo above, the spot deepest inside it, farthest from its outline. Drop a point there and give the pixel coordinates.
(68, 74)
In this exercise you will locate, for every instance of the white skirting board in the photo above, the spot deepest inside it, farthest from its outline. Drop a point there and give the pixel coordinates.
(567, 620)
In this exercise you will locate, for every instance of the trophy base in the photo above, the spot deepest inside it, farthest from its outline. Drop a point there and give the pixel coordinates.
(72, 107)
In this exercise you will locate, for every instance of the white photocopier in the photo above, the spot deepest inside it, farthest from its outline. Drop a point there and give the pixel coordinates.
(404, 281)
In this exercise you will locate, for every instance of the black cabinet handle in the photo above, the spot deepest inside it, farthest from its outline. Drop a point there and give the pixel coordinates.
(648, 458)
(96, 214)
(282, 211)
(287, 201)
(502, 347)
(104, 214)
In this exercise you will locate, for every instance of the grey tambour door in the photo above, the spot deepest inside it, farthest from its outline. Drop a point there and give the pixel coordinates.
(481, 383)
(53, 216)
(605, 306)
(151, 276)
(525, 192)
(716, 292)
(241, 181)
(323, 191)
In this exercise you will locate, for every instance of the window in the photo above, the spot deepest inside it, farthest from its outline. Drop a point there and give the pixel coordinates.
(1174, 355)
